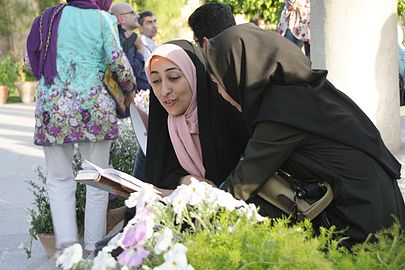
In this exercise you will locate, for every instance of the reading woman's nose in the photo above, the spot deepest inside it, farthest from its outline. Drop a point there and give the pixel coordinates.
(165, 89)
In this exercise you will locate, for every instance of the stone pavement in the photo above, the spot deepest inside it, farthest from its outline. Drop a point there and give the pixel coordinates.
(17, 156)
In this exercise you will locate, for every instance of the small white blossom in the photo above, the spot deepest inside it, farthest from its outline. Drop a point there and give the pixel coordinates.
(146, 195)
(104, 260)
(35, 167)
(164, 240)
(231, 229)
(196, 191)
(250, 212)
(226, 200)
(20, 246)
(70, 256)
(178, 199)
(175, 258)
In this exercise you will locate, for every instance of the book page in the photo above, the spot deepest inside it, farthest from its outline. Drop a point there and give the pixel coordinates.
(87, 174)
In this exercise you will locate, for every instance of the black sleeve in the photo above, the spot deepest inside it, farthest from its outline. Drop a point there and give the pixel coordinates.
(269, 147)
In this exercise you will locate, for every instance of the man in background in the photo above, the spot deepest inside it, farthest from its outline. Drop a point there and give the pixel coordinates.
(133, 47)
(148, 29)
(209, 20)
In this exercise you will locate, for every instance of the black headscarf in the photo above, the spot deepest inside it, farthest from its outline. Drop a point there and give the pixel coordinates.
(223, 132)
(272, 80)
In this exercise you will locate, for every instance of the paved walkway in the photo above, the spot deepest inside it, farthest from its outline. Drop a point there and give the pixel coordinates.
(17, 155)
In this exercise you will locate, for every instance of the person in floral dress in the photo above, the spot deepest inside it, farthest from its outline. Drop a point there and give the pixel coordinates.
(294, 23)
(69, 48)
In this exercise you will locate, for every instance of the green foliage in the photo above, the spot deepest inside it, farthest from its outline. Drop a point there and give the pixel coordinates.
(269, 9)
(43, 4)
(401, 12)
(8, 71)
(41, 221)
(388, 252)
(24, 74)
(16, 16)
(401, 7)
(6, 22)
(266, 245)
(277, 245)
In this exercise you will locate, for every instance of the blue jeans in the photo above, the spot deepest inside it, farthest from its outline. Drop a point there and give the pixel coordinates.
(289, 35)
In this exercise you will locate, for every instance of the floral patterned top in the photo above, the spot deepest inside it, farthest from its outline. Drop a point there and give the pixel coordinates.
(77, 107)
(296, 16)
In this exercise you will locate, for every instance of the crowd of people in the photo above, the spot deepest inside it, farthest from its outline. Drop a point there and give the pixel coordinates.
(220, 111)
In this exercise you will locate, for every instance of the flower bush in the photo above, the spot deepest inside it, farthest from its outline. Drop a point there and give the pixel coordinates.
(123, 149)
(200, 227)
(142, 100)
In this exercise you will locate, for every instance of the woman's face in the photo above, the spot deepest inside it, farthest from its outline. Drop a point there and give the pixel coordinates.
(170, 85)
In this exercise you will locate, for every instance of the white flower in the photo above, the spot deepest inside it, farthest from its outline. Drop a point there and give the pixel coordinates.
(146, 195)
(164, 240)
(20, 246)
(70, 256)
(175, 259)
(250, 212)
(231, 229)
(142, 100)
(225, 199)
(179, 204)
(35, 167)
(196, 191)
(104, 260)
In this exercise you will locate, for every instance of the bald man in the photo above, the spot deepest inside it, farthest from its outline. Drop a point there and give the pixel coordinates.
(133, 47)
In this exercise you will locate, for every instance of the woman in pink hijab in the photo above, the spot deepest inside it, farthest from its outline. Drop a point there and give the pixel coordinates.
(192, 131)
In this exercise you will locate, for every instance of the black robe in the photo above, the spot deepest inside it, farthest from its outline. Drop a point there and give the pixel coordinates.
(300, 122)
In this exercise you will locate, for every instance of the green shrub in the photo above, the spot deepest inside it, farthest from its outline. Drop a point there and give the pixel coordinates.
(8, 71)
(267, 245)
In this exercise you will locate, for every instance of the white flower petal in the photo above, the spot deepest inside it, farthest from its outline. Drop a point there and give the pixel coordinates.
(70, 256)
(164, 240)
(104, 260)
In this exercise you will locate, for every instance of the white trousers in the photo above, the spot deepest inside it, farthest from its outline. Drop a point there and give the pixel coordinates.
(62, 187)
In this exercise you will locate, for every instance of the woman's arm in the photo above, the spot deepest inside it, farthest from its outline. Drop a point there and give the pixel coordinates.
(270, 146)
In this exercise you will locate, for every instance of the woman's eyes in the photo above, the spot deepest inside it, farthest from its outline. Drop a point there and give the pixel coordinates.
(171, 78)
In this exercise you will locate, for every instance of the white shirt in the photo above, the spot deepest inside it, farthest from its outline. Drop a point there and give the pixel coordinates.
(150, 46)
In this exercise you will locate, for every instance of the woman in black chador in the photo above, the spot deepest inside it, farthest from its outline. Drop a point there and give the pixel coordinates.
(302, 124)
(219, 127)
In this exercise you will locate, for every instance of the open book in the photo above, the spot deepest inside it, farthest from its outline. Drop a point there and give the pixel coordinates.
(109, 179)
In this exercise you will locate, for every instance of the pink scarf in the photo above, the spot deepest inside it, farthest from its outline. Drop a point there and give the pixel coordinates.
(183, 129)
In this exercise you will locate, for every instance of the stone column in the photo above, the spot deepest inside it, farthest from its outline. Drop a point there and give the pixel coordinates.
(356, 41)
